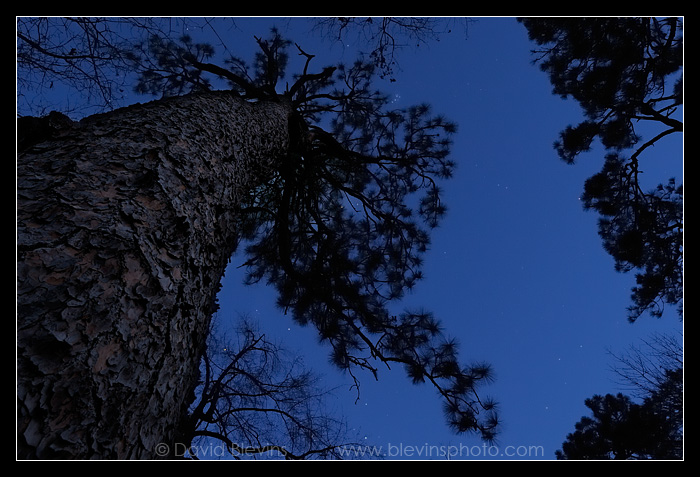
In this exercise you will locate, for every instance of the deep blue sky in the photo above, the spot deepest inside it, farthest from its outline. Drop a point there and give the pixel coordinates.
(516, 271)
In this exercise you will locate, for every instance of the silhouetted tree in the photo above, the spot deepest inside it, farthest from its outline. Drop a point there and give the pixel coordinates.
(622, 429)
(624, 71)
(127, 220)
(58, 57)
(644, 369)
(256, 400)
(385, 36)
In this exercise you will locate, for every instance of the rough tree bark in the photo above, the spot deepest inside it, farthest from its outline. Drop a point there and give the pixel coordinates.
(124, 227)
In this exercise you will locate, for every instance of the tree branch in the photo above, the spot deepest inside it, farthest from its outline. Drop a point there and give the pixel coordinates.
(250, 90)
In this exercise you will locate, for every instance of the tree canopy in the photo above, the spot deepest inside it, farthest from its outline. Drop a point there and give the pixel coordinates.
(619, 428)
(340, 230)
(257, 400)
(644, 423)
(626, 73)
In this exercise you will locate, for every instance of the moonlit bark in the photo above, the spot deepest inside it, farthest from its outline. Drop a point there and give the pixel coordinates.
(124, 229)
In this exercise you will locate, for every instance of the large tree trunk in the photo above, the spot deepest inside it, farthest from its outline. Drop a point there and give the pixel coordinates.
(124, 231)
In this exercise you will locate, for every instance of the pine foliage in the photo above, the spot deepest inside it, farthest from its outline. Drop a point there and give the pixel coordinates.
(340, 229)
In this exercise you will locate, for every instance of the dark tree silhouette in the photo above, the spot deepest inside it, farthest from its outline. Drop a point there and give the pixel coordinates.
(256, 400)
(647, 425)
(621, 429)
(623, 72)
(57, 55)
(126, 221)
(643, 369)
(385, 36)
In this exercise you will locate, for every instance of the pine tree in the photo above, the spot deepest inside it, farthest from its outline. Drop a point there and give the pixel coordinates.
(620, 428)
(126, 221)
(625, 73)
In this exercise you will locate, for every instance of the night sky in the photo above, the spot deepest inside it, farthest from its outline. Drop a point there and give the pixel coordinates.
(516, 271)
